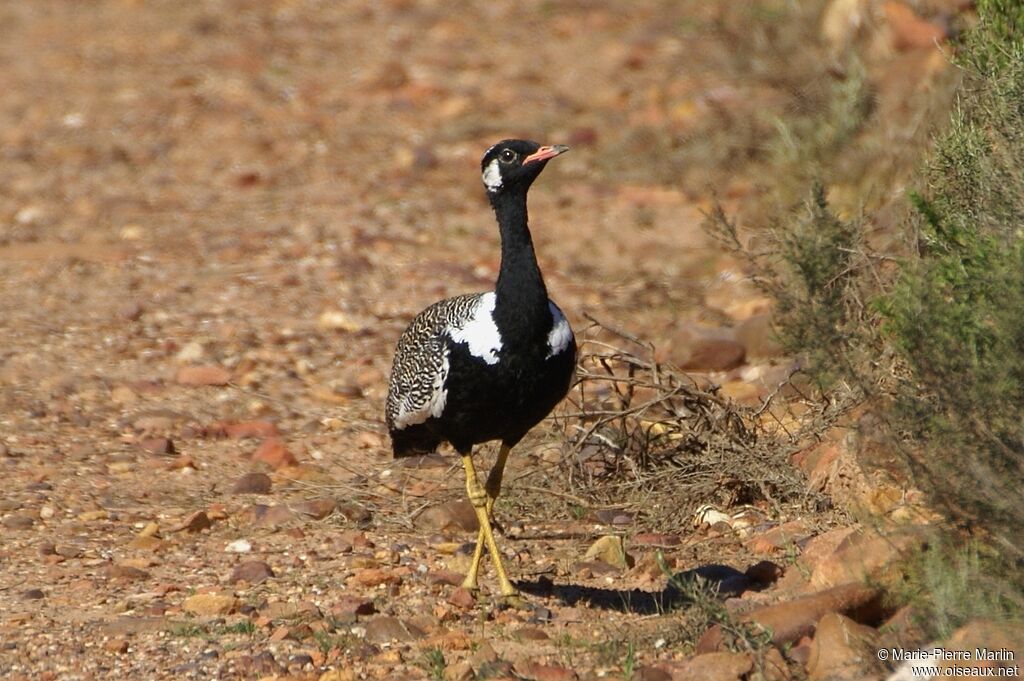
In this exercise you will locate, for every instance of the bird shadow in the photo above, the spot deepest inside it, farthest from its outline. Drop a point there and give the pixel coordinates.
(722, 580)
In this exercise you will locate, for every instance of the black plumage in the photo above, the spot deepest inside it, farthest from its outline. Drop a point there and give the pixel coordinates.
(486, 366)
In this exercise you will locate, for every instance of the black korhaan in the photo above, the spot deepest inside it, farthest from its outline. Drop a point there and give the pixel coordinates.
(486, 366)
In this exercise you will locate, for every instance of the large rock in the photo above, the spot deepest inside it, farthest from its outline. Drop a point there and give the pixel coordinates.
(863, 470)
(823, 545)
(866, 556)
(714, 354)
(991, 645)
(701, 348)
(372, 577)
(841, 649)
(716, 666)
(274, 453)
(290, 610)
(790, 620)
(268, 516)
(611, 550)
(650, 672)
(818, 463)
(208, 605)
(318, 509)
(903, 629)
(758, 337)
(249, 429)
(195, 522)
(252, 483)
(909, 31)
(126, 572)
(251, 572)
(203, 376)
(349, 608)
(779, 539)
(544, 672)
(462, 598)
(451, 517)
(771, 666)
(384, 629)
(657, 540)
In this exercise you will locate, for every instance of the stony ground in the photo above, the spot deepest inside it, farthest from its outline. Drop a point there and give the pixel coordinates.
(215, 220)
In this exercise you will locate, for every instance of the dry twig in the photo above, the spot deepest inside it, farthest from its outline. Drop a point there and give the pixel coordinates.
(646, 434)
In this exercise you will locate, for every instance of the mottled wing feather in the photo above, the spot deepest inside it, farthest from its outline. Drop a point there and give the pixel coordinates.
(415, 391)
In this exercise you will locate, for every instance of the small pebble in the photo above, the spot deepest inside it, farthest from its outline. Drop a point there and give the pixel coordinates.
(239, 546)
(251, 572)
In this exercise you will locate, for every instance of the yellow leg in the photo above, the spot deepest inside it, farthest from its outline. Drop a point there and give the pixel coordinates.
(478, 497)
(493, 488)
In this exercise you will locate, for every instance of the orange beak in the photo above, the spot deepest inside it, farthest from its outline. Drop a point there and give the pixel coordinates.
(544, 153)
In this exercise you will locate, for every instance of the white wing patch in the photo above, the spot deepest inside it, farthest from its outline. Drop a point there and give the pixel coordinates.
(480, 332)
(492, 176)
(561, 333)
(434, 406)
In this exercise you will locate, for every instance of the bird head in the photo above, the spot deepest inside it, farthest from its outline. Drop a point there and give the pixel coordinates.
(513, 165)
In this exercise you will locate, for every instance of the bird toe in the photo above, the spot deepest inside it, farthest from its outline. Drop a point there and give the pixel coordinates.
(513, 601)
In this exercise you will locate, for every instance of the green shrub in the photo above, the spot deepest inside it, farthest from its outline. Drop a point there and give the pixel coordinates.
(934, 336)
(955, 315)
(951, 583)
(822, 277)
(821, 310)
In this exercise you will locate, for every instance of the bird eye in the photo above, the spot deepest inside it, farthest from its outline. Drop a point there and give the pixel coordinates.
(507, 156)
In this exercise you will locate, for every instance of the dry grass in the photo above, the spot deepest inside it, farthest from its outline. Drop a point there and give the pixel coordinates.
(646, 437)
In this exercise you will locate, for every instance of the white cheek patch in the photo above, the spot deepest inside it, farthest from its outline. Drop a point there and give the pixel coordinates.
(561, 333)
(480, 332)
(492, 176)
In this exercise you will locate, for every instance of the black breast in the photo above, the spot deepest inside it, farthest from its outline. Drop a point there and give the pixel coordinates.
(503, 400)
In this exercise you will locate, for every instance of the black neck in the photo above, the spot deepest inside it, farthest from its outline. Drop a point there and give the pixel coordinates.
(521, 297)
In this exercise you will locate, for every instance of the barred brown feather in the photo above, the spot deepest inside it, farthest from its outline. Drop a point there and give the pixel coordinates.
(417, 373)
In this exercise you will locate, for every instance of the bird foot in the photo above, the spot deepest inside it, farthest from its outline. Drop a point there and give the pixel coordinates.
(513, 601)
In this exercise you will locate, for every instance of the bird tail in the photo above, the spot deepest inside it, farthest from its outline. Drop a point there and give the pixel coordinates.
(413, 441)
